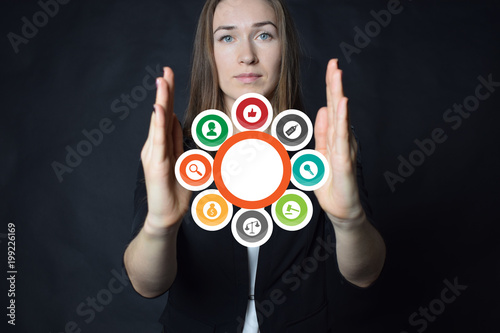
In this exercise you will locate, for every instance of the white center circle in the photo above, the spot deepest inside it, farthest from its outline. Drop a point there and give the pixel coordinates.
(195, 170)
(291, 210)
(252, 113)
(252, 169)
(211, 130)
(292, 130)
(252, 227)
(308, 170)
(212, 210)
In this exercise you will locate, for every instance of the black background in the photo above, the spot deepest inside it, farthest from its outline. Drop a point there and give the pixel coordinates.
(441, 223)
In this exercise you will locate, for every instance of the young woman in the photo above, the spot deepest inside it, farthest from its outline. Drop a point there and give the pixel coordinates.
(214, 283)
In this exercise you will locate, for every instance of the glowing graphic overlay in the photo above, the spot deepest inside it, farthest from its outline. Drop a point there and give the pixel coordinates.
(252, 112)
(293, 211)
(309, 170)
(211, 211)
(210, 129)
(193, 170)
(252, 228)
(252, 169)
(293, 128)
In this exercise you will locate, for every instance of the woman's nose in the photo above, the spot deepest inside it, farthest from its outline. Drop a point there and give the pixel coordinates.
(247, 54)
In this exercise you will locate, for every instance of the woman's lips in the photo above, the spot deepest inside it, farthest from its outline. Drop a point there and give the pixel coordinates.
(248, 77)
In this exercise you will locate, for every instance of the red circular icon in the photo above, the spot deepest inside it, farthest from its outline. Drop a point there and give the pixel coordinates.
(193, 169)
(252, 204)
(263, 117)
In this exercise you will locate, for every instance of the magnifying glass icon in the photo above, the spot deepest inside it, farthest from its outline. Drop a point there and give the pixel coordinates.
(194, 168)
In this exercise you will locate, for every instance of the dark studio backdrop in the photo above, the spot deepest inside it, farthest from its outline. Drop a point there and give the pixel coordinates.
(431, 169)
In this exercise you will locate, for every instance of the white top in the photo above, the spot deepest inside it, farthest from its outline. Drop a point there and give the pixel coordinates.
(251, 322)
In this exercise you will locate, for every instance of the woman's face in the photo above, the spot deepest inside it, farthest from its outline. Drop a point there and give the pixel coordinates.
(246, 48)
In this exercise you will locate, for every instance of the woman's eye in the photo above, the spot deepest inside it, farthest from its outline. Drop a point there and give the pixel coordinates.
(227, 39)
(265, 36)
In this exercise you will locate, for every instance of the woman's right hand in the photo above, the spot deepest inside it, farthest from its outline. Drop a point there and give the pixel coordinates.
(168, 201)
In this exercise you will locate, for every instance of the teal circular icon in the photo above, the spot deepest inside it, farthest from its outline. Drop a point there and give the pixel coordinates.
(292, 211)
(309, 170)
(210, 129)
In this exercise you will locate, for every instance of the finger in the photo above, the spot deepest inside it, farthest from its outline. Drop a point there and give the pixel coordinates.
(342, 143)
(332, 66)
(177, 138)
(146, 149)
(168, 75)
(321, 130)
(334, 94)
(159, 138)
(337, 92)
(161, 92)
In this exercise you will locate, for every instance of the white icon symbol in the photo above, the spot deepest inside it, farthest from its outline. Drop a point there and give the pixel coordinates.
(292, 130)
(308, 170)
(252, 226)
(195, 170)
(212, 210)
(291, 210)
(252, 113)
(211, 129)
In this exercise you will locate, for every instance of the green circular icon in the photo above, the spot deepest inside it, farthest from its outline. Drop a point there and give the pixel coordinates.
(291, 210)
(212, 130)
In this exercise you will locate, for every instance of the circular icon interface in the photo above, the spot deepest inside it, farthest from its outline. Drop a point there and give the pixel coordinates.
(252, 112)
(252, 169)
(193, 170)
(309, 170)
(293, 128)
(292, 211)
(252, 227)
(210, 129)
(211, 211)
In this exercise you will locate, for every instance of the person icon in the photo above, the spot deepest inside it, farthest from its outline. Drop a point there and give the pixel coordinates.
(211, 128)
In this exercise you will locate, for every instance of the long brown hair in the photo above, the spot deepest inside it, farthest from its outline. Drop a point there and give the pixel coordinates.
(205, 91)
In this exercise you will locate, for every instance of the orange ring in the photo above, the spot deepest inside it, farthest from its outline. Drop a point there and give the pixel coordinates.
(287, 169)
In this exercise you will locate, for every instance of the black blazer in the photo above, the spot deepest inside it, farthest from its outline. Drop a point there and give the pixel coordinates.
(295, 279)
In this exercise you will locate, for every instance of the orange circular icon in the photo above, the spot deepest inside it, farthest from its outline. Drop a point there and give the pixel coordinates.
(211, 211)
(206, 218)
(193, 169)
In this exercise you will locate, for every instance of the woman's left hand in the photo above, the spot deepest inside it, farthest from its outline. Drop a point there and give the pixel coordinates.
(339, 196)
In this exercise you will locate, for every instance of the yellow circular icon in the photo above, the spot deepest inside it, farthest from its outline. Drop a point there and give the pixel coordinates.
(211, 211)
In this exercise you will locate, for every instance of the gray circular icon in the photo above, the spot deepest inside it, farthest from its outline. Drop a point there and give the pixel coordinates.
(252, 226)
(288, 127)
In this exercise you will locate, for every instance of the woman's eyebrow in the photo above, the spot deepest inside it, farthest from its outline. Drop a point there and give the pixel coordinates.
(260, 24)
(255, 25)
